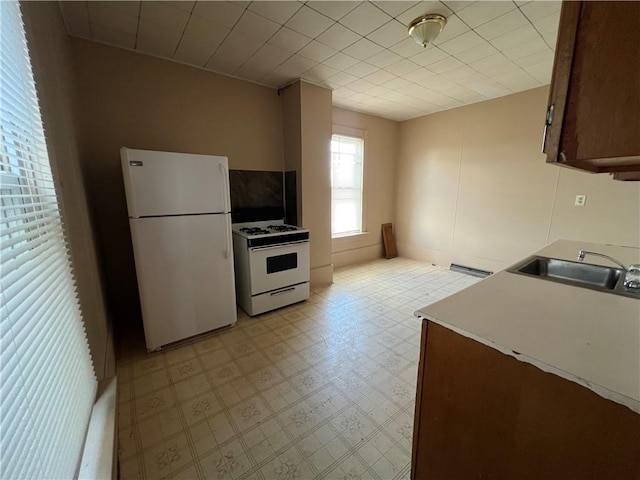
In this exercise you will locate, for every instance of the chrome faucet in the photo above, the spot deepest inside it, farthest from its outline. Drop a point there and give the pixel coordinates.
(632, 273)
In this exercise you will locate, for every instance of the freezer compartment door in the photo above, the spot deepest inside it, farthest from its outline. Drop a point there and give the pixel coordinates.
(185, 275)
(161, 183)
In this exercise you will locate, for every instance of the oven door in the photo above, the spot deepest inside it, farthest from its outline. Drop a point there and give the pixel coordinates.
(277, 266)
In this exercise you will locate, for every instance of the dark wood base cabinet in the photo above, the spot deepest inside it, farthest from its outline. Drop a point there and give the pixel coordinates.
(481, 414)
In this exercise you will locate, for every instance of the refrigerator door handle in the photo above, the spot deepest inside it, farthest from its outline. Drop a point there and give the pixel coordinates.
(226, 193)
(227, 252)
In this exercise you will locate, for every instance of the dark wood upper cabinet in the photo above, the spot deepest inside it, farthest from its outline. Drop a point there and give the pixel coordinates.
(593, 116)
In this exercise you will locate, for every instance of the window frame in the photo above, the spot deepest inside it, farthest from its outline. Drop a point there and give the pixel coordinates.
(343, 131)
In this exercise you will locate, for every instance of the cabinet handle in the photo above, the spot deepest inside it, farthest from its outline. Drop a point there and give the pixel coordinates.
(547, 123)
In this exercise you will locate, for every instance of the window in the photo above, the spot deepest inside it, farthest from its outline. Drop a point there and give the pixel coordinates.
(47, 383)
(347, 154)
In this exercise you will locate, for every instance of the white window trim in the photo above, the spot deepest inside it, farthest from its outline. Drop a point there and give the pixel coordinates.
(362, 134)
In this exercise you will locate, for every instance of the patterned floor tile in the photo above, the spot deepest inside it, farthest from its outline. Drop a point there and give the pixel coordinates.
(321, 389)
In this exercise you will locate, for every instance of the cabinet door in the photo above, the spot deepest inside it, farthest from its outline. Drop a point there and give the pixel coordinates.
(595, 89)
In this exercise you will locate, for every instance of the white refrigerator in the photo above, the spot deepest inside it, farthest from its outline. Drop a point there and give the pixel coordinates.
(179, 213)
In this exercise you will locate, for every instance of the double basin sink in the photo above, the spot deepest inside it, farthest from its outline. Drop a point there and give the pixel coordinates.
(585, 275)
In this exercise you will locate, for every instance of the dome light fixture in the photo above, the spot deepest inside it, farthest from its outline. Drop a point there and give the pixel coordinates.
(426, 28)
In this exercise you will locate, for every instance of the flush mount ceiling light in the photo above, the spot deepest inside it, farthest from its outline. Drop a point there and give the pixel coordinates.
(426, 28)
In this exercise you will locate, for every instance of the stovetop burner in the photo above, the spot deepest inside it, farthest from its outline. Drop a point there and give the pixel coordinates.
(282, 228)
(255, 231)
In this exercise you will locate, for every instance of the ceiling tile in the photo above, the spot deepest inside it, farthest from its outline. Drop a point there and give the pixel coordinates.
(479, 13)
(340, 61)
(185, 5)
(309, 22)
(275, 79)
(361, 85)
(541, 71)
(534, 59)
(380, 77)
(276, 11)
(456, 5)
(547, 25)
(270, 56)
(517, 80)
(363, 49)
(452, 29)
(116, 17)
(463, 42)
(335, 9)
(194, 51)
(458, 73)
(394, 8)
(423, 8)
(389, 34)
(504, 24)
(510, 40)
(164, 15)
(206, 31)
(113, 37)
(496, 63)
(289, 40)
(251, 71)
(402, 67)
(419, 75)
(537, 10)
(398, 84)
(526, 49)
(76, 18)
(361, 69)
(365, 19)
(445, 65)
(317, 51)
(428, 56)
(476, 53)
(338, 37)
(221, 13)
(488, 88)
(384, 59)
(408, 48)
(156, 39)
(342, 78)
(320, 72)
(252, 25)
(235, 50)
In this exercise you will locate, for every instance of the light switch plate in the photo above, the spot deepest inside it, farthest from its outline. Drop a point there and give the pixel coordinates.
(580, 200)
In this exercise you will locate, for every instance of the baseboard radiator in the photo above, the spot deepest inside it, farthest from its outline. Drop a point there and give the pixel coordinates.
(100, 455)
(476, 272)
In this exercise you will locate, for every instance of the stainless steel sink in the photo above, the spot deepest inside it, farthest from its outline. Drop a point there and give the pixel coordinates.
(585, 275)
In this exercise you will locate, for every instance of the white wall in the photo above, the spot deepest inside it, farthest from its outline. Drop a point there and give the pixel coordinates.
(380, 155)
(473, 188)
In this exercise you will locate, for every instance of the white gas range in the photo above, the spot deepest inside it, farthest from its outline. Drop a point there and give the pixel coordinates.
(271, 265)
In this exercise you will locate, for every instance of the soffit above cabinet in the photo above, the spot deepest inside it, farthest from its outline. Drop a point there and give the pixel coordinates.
(360, 50)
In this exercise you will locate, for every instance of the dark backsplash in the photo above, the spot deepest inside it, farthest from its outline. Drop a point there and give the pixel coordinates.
(260, 195)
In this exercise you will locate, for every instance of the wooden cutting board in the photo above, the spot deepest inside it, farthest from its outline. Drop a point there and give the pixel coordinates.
(389, 240)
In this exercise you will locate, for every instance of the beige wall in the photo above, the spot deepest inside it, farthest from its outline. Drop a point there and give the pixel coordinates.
(51, 58)
(473, 188)
(380, 155)
(292, 134)
(315, 103)
(138, 101)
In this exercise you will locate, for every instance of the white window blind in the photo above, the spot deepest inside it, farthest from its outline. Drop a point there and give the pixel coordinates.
(47, 383)
(346, 185)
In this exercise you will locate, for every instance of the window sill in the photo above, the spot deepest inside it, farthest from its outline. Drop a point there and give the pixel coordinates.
(350, 235)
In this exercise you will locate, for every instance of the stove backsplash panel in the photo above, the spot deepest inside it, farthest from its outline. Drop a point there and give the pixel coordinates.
(291, 198)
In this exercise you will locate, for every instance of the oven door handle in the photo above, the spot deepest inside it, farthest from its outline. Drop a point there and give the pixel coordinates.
(278, 245)
(280, 292)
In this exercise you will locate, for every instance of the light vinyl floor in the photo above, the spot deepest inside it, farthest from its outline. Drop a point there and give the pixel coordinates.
(321, 389)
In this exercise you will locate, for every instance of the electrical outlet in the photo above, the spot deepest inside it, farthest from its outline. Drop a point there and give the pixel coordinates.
(580, 200)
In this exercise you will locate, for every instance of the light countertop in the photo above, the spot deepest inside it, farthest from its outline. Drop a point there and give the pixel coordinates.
(589, 337)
